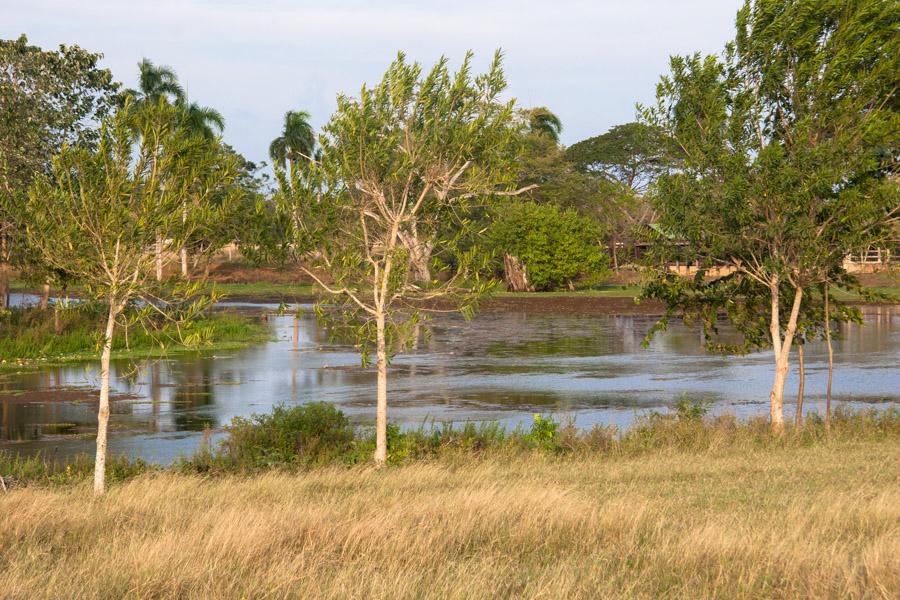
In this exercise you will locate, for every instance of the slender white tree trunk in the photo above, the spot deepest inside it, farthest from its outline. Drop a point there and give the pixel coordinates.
(184, 252)
(103, 412)
(782, 348)
(381, 402)
(830, 358)
(45, 296)
(159, 258)
(801, 386)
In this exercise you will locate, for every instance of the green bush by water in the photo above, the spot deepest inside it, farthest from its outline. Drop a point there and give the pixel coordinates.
(318, 434)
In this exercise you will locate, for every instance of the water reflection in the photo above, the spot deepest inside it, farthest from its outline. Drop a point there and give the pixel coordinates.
(502, 366)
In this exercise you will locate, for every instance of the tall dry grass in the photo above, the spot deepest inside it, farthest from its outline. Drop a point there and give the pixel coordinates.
(801, 522)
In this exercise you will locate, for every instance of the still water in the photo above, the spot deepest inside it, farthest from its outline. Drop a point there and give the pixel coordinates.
(503, 366)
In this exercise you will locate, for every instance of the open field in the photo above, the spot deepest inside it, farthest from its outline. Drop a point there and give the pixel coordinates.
(817, 519)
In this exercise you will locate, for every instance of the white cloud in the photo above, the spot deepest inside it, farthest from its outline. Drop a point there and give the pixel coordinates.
(588, 61)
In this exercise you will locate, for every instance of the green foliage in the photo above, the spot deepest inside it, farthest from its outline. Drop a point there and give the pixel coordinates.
(401, 164)
(21, 471)
(99, 215)
(75, 333)
(544, 432)
(691, 408)
(541, 121)
(556, 245)
(633, 154)
(286, 440)
(297, 143)
(315, 433)
(782, 163)
(48, 98)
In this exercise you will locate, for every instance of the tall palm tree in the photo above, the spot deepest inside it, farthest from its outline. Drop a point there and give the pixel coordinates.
(296, 142)
(542, 121)
(202, 121)
(155, 82)
(206, 123)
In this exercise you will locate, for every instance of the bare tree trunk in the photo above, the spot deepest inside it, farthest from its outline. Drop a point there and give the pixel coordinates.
(830, 359)
(159, 258)
(184, 252)
(381, 406)
(296, 332)
(801, 386)
(45, 296)
(515, 273)
(4, 285)
(103, 412)
(782, 348)
(419, 254)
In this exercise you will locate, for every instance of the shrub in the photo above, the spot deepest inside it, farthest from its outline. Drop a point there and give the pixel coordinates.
(314, 433)
(556, 245)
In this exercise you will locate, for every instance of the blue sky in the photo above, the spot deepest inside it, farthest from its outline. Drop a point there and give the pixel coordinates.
(590, 62)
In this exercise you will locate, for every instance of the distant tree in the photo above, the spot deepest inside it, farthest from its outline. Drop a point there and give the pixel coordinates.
(47, 98)
(97, 215)
(297, 141)
(156, 82)
(629, 158)
(633, 154)
(409, 149)
(206, 123)
(542, 121)
(555, 246)
(787, 151)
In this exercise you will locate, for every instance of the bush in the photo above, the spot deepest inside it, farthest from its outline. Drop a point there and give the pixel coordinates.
(556, 245)
(311, 434)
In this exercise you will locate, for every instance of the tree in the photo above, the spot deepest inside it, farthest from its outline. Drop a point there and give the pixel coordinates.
(205, 123)
(786, 153)
(156, 82)
(297, 141)
(98, 214)
(542, 121)
(629, 158)
(554, 245)
(47, 98)
(407, 150)
(546, 178)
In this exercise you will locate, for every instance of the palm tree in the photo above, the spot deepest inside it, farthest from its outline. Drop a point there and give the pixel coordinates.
(159, 83)
(206, 123)
(203, 121)
(297, 140)
(542, 121)
(155, 82)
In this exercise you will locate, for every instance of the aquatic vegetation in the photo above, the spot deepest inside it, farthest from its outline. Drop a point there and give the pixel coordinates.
(31, 334)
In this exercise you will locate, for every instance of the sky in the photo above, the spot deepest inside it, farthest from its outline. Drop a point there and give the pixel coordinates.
(588, 61)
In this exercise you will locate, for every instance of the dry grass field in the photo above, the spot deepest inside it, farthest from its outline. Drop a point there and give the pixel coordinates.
(819, 521)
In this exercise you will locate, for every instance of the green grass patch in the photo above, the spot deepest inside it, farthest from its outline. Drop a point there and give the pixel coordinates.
(32, 335)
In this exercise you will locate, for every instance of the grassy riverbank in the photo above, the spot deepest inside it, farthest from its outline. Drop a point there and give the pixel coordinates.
(31, 335)
(812, 520)
(679, 506)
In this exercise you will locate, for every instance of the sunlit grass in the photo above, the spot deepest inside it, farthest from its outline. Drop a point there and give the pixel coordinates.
(807, 521)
